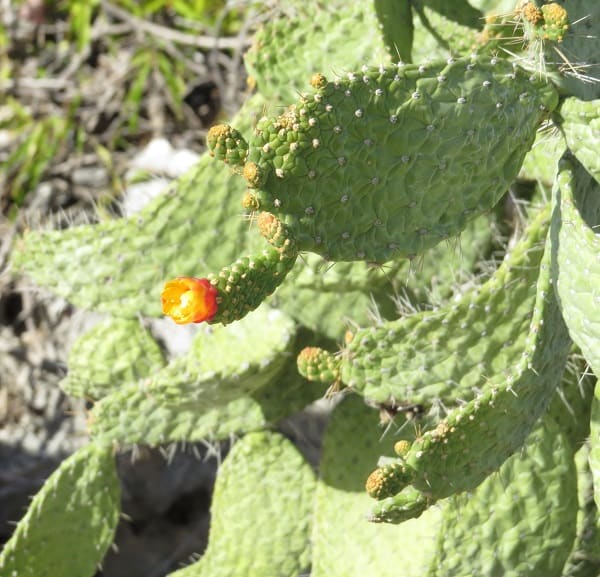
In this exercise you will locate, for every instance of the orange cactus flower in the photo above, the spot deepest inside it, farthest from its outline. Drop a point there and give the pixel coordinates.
(189, 300)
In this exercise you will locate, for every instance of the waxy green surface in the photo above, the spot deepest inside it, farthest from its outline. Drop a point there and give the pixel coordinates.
(111, 354)
(260, 513)
(132, 415)
(345, 544)
(584, 559)
(448, 354)
(580, 123)
(334, 35)
(387, 162)
(520, 521)
(71, 521)
(576, 257)
(474, 440)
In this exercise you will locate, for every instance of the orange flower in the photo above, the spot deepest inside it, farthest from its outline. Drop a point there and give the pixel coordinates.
(189, 300)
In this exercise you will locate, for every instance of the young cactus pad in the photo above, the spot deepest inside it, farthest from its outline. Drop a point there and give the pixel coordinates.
(387, 162)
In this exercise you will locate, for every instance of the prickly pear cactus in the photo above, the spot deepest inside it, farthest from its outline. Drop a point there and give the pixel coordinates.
(71, 521)
(436, 311)
(393, 141)
(123, 351)
(252, 532)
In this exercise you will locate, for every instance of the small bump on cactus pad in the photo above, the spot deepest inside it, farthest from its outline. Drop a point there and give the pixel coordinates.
(318, 365)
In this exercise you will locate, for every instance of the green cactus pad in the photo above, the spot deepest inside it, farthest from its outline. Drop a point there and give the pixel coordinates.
(71, 521)
(584, 559)
(344, 543)
(580, 122)
(396, 23)
(131, 415)
(260, 514)
(595, 444)
(575, 262)
(333, 35)
(474, 440)
(520, 521)
(120, 266)
(449, 354)
(111, 354)
(459, 11)
(226, 362)
(386, 162)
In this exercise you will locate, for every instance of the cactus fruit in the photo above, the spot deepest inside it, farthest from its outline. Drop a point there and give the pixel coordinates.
(70, 522)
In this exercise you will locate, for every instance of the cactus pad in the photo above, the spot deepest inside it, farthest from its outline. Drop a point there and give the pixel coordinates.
(520, 521)
(70, 522)
(225, 362)
(385, 163)
(111, 354)
(575, 263)
(333, 35)
(133, 416)
(340, 504)
(475, 439)
(261, 512)
(449, 353)
(580, 122)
